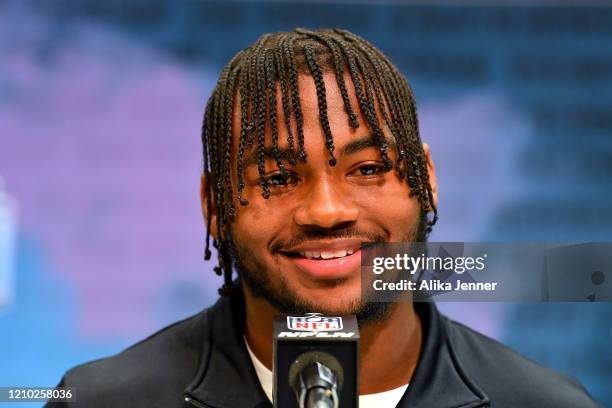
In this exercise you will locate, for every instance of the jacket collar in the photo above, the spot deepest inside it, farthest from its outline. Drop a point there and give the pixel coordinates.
(439, 379)
(226, 377)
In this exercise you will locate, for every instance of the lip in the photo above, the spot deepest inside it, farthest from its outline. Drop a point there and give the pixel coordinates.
(323, 245)
(327, 269)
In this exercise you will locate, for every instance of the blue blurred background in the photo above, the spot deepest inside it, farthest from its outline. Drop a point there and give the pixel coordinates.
(101, 238)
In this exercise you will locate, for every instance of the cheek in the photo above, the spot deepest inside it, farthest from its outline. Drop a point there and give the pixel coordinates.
(390, 205)
(256, 225)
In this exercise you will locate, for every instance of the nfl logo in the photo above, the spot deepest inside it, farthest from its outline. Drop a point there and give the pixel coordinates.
(314, 322)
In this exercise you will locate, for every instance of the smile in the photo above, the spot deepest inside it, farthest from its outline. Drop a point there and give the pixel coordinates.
(324, 260)
(339, 253)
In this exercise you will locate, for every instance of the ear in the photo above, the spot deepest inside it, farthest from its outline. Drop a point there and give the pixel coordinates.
(212, 228)
(431, 170)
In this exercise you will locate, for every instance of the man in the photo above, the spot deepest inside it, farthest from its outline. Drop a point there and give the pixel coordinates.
(311, 149)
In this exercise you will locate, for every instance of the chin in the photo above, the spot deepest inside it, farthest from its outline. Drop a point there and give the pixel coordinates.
(338, 300)
(337, 308)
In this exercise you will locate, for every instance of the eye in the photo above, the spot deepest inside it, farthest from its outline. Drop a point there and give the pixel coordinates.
(278, 180)
(370, 170)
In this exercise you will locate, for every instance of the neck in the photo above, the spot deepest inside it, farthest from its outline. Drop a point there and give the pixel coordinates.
(388, 350)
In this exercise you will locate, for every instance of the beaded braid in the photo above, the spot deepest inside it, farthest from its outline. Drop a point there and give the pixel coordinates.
(244, 123)
(224, 101)
(207, 192)
(228, 147)
(320, 87)
(253, 60)
(261, 122)
(282, 75)
(271, 81)
(295, 99)
(281, 57)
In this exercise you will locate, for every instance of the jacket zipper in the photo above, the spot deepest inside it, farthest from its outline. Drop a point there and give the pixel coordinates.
(195, 403)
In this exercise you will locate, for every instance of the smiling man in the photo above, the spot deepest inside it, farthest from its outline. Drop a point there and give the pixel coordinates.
(311, 149)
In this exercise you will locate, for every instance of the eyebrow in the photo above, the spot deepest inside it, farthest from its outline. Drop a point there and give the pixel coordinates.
(284, 155)
(364, 143)
(355, 146)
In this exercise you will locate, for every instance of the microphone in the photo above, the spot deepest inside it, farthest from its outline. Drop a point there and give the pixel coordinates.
(315, 377)
(316, 361)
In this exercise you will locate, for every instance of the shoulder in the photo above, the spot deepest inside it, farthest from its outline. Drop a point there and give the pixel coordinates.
(509, 378)
(167, 360)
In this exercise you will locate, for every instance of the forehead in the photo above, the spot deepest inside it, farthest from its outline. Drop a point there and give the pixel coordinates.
(312, 121)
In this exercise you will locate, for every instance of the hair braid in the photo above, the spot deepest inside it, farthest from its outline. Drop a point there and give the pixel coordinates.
(271, 81)
(281, 71)
(228, 102)
(261, 122)
(244, 90)
(320, 87)
(295, 99)
(205, 144)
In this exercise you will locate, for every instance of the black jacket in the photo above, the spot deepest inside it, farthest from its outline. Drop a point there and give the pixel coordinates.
(202, 361)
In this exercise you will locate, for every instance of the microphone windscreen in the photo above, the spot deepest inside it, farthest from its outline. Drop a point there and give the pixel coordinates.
(311, 357)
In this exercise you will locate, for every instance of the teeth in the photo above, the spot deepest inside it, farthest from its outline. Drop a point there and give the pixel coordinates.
(339, 253)
(327, 255)
(311, 254)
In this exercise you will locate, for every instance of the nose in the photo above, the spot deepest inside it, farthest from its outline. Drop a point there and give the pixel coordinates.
(326, 206)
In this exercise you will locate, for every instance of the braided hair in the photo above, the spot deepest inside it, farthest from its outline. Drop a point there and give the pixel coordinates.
(279, 58)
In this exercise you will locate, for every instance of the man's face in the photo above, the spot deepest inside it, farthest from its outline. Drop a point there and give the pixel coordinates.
(299, 249)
